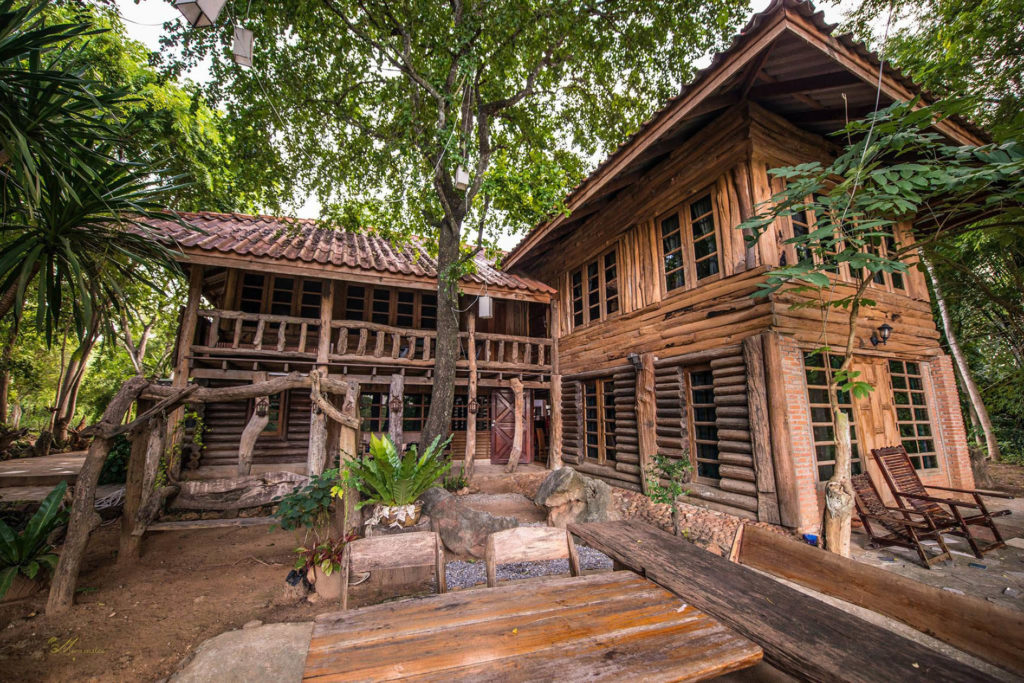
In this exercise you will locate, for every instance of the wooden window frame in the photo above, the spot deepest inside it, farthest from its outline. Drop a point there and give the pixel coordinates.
(857, 460)
(422, 303)
(269, 286)
(692, 423)
(918, 457)
(600, 263)
(420, 403)
(686, 247)
(368, 422)
(604, 422)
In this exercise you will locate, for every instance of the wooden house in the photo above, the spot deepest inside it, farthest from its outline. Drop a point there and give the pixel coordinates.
(628, 319)
(659, 347)
(270, 296)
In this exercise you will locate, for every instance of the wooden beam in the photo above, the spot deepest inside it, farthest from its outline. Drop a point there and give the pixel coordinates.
(993, 633)
(323, 347)
(555, 440)
(129, 548)
(346, 518)
(186, 336)
(646, 422)
(469, 458)
(760, 432)
(829, 81)
(396, 404)
(517, 435)
(786, 487)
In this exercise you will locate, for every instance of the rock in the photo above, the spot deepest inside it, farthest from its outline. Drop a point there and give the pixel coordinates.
(291, 594)
(463, 530)
(572, 497)
(273, 652)
(252, 624)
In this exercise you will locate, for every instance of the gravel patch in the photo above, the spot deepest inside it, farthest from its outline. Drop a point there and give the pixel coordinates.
(465, 574)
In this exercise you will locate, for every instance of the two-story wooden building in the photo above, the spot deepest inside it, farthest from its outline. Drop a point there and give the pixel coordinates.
(270, 296)
(648, 260)
(629, 318)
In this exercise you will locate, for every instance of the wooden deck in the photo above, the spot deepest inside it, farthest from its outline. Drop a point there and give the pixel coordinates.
(611, 626)
(801, 635)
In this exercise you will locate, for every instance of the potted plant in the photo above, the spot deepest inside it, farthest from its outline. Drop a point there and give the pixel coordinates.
(309, 508)
(392, 483)
(24, 554)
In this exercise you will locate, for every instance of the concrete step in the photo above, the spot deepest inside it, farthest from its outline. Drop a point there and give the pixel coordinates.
(506, 505)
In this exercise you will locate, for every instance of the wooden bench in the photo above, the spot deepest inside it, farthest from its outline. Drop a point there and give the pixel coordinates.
(800, 635)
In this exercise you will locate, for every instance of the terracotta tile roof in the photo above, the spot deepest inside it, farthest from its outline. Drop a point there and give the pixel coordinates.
(300, 240)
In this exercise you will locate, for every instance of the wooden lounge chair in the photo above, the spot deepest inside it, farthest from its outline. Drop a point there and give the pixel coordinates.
(907, 528)
(396, 551)
(907, 488)
(529, 544)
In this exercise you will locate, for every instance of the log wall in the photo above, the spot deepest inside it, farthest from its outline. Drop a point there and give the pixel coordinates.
(225, 422)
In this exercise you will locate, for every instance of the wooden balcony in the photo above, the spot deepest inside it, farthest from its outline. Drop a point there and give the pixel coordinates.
(224, 335)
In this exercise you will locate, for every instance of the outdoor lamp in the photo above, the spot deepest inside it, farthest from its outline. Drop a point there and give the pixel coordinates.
(485, 307)
(634, 360)
(200, 12)
(241, 46)
(882, 335)
(461, 179)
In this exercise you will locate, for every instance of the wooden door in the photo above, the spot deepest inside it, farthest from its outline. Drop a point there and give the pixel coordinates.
(503, 420)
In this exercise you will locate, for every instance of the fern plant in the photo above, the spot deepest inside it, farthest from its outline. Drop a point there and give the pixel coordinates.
(28, 552)
(385, 478)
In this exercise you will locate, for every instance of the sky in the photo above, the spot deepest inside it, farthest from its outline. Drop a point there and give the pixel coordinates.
(144, 22)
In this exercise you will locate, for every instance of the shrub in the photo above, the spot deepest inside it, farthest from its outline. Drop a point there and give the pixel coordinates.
(27, 552)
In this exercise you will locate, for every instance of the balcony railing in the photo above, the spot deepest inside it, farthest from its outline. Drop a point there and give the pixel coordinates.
(228, 333)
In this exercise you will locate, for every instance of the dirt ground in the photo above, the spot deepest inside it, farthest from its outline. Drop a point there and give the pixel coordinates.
(139, 623)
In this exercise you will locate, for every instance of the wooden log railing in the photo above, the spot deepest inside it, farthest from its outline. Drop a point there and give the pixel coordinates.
(289, 337)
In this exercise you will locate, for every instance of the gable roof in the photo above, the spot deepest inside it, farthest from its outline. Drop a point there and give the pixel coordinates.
(787, 60)
(298, 246)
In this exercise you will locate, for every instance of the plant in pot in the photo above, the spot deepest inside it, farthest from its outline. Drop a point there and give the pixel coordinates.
(25, 554)
(392, 483)
(309, 508)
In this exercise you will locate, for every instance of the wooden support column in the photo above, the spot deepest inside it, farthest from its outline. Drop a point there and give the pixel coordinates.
(396, 403)
(555, 439)
(760, 431)
(517, 438)
(349, 445)
(316, 455)
(469, 458)
(253, 428)
(778, 419)
(646, 424)
(186, 337)
(129, 550)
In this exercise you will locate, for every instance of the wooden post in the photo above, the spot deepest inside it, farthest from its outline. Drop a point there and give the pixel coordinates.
(317, 452)
(247, 443)
(646, 422)
(323, 347)
(346, 520)
(517, 435)
(555, 440)
(470, 455)
(186, 336)
(778, 419)
(129, 550)
(760, 431)
(396, 404)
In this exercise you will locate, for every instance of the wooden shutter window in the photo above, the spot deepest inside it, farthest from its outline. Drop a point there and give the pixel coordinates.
(599, 420)
(594, 289)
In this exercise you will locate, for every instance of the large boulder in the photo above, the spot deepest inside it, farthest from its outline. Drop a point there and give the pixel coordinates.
(463, 530)
(571, 497)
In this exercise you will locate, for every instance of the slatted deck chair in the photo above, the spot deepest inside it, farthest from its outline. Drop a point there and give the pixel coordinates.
(529, 544)
(396, 551)
(906, 528)
(908, 490)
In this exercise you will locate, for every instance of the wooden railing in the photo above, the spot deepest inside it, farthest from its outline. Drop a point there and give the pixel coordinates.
(356, 341)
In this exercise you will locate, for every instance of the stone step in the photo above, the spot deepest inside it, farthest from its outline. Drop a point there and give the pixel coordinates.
(506, 505)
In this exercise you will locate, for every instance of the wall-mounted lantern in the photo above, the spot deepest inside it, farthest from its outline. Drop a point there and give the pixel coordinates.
(485, 307)
(881, 335)
(200, 12)
(634, 360)
(241, 46)
(461, 179)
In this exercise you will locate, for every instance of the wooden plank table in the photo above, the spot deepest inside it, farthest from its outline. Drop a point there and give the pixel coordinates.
(801, 635)
(594, 627)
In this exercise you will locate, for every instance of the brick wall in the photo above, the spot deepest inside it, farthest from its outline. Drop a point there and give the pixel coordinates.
(801, 444)
(948, 421)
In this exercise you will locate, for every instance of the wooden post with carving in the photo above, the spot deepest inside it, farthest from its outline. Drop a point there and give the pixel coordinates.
(316, 457)
(517, 435)
(346, 520)
(647, 436)
(471, 407)
(396, 406)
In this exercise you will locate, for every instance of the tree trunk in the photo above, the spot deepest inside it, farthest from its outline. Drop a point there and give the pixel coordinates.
(839, 492)
(675, 516)
(471, 408)
(517, 435)
(396, 403)
(67, 402)
(961, 363)
(62, 589)
(446, 353)
(5, 371)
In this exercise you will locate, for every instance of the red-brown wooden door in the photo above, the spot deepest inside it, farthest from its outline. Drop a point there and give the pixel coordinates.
(503, 421)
